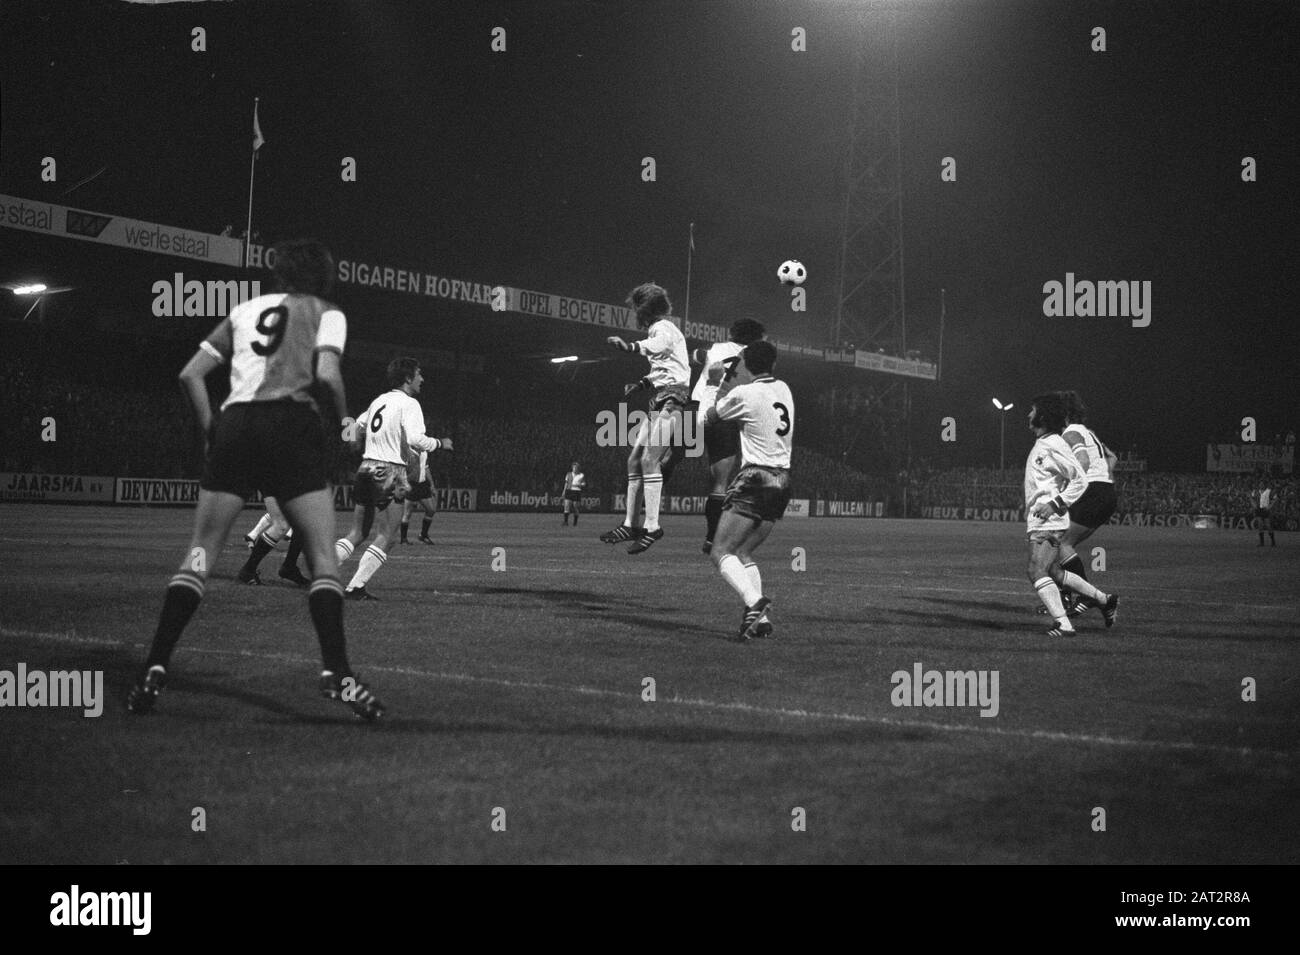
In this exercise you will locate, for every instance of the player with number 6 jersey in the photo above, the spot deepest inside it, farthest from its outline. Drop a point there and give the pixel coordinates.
(758, 495)
(390, 428)
(269, 437)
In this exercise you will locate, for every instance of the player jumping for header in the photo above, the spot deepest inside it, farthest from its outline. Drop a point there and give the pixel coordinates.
(757, 497)
(269, 437)
(1054, 481)
(659, 442)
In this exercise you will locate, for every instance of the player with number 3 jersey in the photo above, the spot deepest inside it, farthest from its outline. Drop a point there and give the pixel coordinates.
(758, 495)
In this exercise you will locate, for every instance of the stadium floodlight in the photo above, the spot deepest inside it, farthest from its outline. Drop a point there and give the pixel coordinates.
(560, 361)
(36, 289)
(1003, 409)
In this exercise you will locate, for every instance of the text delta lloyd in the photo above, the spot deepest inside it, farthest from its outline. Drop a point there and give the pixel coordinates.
(674, 428)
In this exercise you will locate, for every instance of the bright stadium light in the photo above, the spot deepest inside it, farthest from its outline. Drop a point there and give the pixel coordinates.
(1002, 457)
(558, 361)
(36, 289)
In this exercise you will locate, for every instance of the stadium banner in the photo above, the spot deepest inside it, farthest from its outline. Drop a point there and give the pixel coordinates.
(1248, 458)
(65, 222)
(974, 513)
(499, 500)
(798, 507)
(156, 491)
(446, 498)
(60, 488)
(871, 361)
(826, 508)
(1239, 521)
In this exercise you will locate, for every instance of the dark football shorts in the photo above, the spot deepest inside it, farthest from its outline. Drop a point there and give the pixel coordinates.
(670, 398)
(759, 493)
(276, 447)
(1096, 505)
(721, 440)
(419, 491)
(1265, 521)
(575, 496)
(379, 483)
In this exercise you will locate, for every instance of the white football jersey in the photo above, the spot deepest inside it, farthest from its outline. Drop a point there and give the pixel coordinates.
(764, 409)
(394, 425)
(1052, 471)
(723, 352)
(666, 349)
(1086, 438)
(575, 481)
(420, 467)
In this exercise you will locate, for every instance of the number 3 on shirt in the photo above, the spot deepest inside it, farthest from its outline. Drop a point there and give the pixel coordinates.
(782, 431)
(271, 323)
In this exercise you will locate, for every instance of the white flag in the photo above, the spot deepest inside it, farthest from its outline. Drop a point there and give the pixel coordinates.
(257, 130)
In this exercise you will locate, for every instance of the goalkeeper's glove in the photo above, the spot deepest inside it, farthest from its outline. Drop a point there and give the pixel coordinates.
(619, 343)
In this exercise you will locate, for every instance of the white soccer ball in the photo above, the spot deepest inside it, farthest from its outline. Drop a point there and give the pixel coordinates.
(792, 272)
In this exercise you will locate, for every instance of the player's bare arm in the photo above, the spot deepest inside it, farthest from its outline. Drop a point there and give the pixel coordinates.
(193, 383)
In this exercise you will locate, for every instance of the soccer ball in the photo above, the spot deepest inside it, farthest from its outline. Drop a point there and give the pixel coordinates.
(792, 272)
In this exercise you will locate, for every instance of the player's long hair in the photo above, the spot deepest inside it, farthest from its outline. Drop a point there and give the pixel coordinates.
(1049, 412)
(760, 357)
(649, 301)
(746, 330)
(303, 265)
(1076, 412)
(401, 370)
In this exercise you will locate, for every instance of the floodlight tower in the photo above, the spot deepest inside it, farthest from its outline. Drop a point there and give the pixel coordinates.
(870, 311)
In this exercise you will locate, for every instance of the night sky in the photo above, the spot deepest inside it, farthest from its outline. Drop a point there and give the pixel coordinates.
(523, 168)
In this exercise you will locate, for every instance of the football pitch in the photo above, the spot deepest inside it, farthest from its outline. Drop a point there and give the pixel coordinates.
(516, 696)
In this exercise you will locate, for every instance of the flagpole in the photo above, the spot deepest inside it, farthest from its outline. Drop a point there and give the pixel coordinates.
(252, 167)
(690, 250)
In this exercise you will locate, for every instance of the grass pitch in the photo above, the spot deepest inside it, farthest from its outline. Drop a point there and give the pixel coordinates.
(522, 690)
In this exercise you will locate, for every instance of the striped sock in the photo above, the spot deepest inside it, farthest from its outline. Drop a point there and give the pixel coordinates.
(184, 592)
(371, 561)
(1050, 595)
(1081, 586)
(654, 487)
(342, 549)
(325, 603)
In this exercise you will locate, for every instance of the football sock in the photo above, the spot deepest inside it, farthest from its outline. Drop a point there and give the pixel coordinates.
(734, 572)
(184, 592)
(424, 526)
(713, 514)
(342, 549)
(633, 500)
(755, 578)
(1075, 566)
(371, 561)
(325, 602)
(654, 486)
(295, 549)
(1080, 586)
(261, 547)
(405, 526)
(1050, 595)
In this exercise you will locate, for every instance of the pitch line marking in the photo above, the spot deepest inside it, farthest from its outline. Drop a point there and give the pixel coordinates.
(1052, 736)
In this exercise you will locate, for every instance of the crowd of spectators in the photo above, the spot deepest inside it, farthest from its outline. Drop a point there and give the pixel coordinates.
(115, 413)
